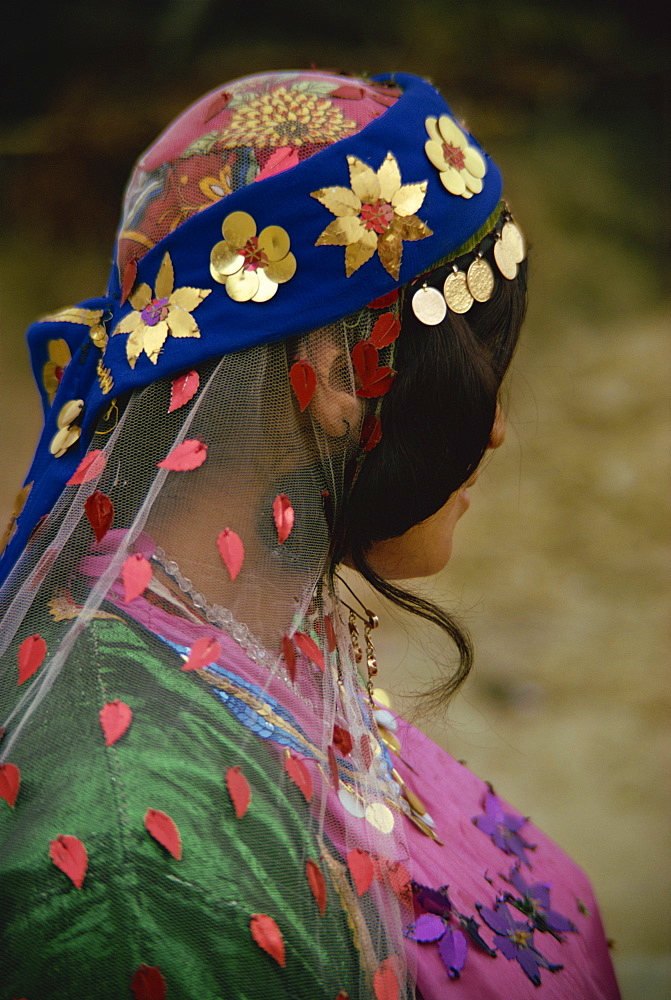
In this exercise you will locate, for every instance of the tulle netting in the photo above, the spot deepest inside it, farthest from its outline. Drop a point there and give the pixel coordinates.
(283, 672)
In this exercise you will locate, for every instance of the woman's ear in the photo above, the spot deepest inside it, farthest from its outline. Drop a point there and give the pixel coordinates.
(335, 406)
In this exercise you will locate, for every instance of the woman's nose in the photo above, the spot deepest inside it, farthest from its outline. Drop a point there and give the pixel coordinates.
(498, 435)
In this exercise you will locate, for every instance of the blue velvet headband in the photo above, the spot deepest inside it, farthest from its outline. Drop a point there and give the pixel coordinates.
(339, 250)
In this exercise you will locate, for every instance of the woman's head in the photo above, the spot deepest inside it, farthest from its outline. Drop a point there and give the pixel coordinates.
(281, 239)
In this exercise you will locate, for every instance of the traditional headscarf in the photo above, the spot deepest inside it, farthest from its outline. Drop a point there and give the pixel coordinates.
(203, 423)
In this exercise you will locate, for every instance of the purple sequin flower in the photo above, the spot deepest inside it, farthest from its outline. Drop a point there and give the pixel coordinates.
(515, 940)
(535, 904)
(502, 827)
(437, 925)
(452, 945)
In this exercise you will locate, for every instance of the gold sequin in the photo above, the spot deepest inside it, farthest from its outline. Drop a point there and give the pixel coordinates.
(69, 412)
(380, 816)
(98, 335)
(251, 267)
(64, 439)
(104, 377)
(390, 741)
(52, 370)
(413, 801)
(19, 504)
(460, 165)
(238, 228)
(66, 435)
(155, 316)
(375, 214)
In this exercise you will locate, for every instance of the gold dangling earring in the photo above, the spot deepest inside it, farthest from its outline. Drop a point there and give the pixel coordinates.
(354, 636)
(371, 661)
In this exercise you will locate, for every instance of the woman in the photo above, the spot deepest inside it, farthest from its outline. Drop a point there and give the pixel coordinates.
(315, 296)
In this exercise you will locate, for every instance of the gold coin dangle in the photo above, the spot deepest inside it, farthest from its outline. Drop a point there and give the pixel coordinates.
(480, 280)
(456, 292)
(429, 306)
(504, 259)
(514, 239)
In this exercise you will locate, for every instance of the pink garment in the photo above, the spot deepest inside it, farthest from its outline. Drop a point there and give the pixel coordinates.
(454, 796)
(468, 861)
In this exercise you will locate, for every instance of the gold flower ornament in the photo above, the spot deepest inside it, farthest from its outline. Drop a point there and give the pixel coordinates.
(166, 310)
(376, 215)
(461, 166)
(52, 370)
(251, 267)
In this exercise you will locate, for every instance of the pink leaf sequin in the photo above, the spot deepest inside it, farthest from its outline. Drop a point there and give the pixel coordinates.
(31, 656)
(188, 455)
(69, 854)
(90, 466)
(183, 389)
(136, 574)
(164, 830)
(283, 515)
(231, 550)
(115, 718)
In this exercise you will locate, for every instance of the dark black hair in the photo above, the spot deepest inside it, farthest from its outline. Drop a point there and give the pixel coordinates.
(436, 425)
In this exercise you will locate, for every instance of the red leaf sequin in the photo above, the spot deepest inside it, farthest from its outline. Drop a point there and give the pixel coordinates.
(216, 106)
(397, 875)
(333, 765)
(348, 92)
(289, 654)
(309, 648)
(378, 385)
(10, 782)
(343, 740)
(188, 455)
(69, 854)
(364, 359)
(129, 276)
(374, 381)
(281, 159)
(299, 774)
(239, 791)
(385, 980)
(183, 389)
(303, 381)
(371, 432)
(231, 550)
(115, 718)
(385, 331)
(136, 573)
(90, 466)
(283, 515)
(330, 633)
(387, 99)
(31, 656)
(164, 829)
(366, 750)
(385, 300)
(99, 510)
(268, 936)
(315, 877)
(148, 983)
(204, 651)
(361, 869)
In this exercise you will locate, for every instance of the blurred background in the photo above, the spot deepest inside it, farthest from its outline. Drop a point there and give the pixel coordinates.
(561, 567)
